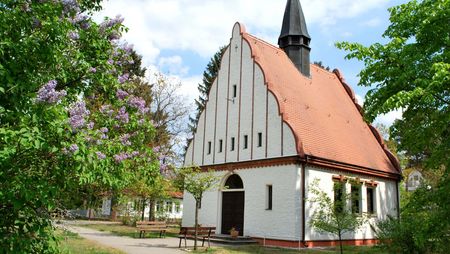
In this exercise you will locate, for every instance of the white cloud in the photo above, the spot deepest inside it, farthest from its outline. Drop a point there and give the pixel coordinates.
(173, 65)
(372, 22)
(359, 99)
(203, 26)
(389, 118)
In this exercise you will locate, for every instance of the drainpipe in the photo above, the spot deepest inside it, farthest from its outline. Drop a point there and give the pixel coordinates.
(303, 203)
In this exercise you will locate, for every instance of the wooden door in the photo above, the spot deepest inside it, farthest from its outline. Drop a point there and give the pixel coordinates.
(232, 211)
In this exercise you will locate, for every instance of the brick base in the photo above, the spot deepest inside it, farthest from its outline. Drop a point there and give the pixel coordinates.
(317, 243)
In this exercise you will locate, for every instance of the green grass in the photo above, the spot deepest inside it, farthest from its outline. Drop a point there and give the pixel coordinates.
(255, 249)
(123, 230)
(72, 243)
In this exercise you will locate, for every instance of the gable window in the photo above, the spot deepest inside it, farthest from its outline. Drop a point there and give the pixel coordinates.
(220, 145)
(232, 144)
(268, 197)
(209, 147)
(356, 198)
(245, 141)
(234, 91)
(370, 200)
(339, 202)
(259, 139)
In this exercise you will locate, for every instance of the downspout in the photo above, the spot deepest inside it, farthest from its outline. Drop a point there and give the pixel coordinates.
(398, 199)
(303, 204)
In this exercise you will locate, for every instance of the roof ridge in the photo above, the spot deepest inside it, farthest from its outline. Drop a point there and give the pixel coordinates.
(263, 41)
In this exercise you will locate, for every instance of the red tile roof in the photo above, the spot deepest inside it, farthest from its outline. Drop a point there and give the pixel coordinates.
(321, 111)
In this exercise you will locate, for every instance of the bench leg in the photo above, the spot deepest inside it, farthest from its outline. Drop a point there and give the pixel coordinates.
(209, 243)
(203, 242)
(185, 244)
(179, 245)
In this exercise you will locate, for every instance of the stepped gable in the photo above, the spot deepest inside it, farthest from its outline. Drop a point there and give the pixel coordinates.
(322, 111)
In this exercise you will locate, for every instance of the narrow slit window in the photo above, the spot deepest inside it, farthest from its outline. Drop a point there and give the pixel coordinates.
(245, 141)
(259, 139)
(232, 144)
(269, 197)
(356, 198)
(370, 200)
(234, 91)
(209, 147)
(220, 145)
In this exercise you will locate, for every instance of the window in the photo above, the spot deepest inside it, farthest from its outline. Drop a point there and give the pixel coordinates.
(339, 203)
(356, 198)
(370, 200)
(232, 144)
(234, 91)
(209, 147)
(220, 145)
(169, 206)
(269, 197)
(259, 139)
(177, 207)
(245, 141)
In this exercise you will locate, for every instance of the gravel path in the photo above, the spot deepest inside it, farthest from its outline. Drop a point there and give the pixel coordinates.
(168, 245)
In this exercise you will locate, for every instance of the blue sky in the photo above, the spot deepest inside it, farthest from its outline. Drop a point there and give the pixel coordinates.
(178, 37)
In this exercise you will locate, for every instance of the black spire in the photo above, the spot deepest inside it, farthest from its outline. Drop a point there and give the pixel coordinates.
(294, 38)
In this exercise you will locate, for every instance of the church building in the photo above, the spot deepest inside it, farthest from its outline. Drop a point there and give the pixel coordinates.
(274, 123)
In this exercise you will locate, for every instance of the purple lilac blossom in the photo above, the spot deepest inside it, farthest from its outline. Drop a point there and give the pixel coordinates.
(48, 94)
(122, 115)
(136, 102)
(70, 5)
(106, 110)
(111, 22)
(104, 136)
(120, 157)
(134, 153)
(156, 149)
(93, 70)
(73, 35)
(100, 155)
(77, 113)
(124, 139)
(114, 35)
(121, 94)
(123, 78)
(110, 61)
(90, 125)
(73, 148)
(141, 121)
(104, 130)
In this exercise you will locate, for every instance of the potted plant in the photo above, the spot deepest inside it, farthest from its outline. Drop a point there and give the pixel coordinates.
(233, 232)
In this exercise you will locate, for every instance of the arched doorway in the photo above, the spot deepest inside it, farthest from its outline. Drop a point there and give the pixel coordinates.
(233, 205)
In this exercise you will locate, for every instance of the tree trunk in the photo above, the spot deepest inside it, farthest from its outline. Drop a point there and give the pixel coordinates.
(196, 224)
(143, 209)
(340, 241)
(151, 213)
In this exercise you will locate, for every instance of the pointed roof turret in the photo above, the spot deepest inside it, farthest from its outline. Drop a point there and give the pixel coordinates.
(294, 21)
(294, 38)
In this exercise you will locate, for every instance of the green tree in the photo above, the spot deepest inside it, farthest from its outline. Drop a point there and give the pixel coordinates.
(209, 75)
(333, 216)
(411, 72)
(196, 182)
(69, 118)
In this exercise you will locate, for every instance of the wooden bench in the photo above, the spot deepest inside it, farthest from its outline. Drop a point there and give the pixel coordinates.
(151, 226)
(203, 233)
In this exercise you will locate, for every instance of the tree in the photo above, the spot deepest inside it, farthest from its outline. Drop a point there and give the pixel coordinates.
(196, 182)
(209, 75)
(333, 216)
(69, 118)
(411, 72)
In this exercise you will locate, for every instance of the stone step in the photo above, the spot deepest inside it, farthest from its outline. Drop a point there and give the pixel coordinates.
(227, 239)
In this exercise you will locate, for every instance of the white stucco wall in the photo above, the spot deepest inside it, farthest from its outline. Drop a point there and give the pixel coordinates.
(282, 222)
(254, 110)
(385, 196)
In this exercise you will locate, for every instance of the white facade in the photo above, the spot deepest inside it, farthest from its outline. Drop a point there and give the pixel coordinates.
(240, 107)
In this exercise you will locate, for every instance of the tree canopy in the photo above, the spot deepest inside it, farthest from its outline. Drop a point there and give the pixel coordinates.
(69, 117)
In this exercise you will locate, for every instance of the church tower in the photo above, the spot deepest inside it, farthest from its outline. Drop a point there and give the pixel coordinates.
(294, 38)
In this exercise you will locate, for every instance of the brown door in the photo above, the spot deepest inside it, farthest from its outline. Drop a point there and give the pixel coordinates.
(232, 211)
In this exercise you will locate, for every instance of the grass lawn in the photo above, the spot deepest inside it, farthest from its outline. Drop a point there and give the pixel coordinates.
(255, 249)
(123, 230)
(72, 243)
